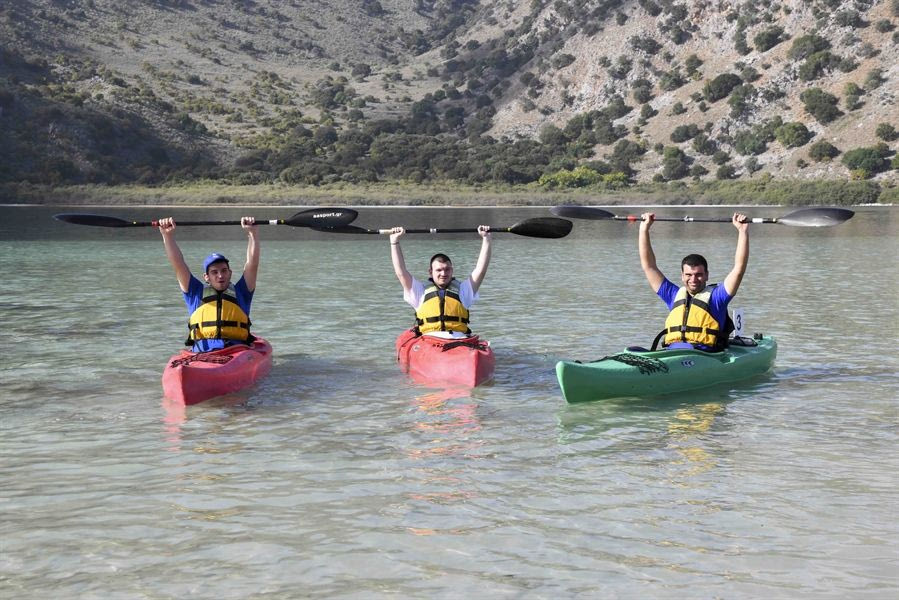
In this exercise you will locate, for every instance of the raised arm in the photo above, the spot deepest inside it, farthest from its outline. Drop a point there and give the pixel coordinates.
(251, 269)
(647, 257)
(741, 257)
(399, 263)
(480, 269)
(173, 252)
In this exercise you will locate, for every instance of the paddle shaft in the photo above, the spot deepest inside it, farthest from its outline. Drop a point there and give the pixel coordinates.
(633, 218)
(806, 217)
(546, 227)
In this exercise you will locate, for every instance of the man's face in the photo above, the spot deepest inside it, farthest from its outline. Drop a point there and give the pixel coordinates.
(441, 272)
(694, 278)
(218, 275)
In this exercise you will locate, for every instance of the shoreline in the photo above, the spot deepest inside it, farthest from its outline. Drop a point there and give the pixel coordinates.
(761, 192)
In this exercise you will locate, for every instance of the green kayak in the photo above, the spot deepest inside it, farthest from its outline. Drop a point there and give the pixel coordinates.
(646, 373)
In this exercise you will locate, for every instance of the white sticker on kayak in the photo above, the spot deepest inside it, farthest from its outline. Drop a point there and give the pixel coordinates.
(687, 363)
(738, 322)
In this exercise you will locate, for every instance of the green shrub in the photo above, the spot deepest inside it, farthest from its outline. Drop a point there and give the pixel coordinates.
(807, 45)
(739, 100)
(853, 92)
(886, 132)
(820, 104)
(793, 134)
(697, 171)
(676, 164)
(884, 26)
(720, 86)
(682, 133)
(726, 172)
(817, 64)
(768, 38)
(692, 64)
(645, 43)
(575, 178)
(720, 157)
(678, 109)
(704, 144)
(870, 160)
(823, 151)
(874, 79)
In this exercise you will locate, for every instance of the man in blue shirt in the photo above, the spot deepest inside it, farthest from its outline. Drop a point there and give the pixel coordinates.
(698, 311)
(219, 311)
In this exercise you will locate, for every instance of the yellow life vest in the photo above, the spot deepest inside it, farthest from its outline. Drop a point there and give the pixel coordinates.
(219, 317)
(442, 312)
(691, 320)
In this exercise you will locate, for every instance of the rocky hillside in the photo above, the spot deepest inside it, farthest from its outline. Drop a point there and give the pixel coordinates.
(568, 92)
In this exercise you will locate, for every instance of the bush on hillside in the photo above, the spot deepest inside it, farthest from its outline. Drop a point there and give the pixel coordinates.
(807, 45)
(720, 86)
(817, 64)
(823, 151)
(870, 161)
(768, 38)
(820, 104)
(675, 164)
(726, 172)
(682, 133)
(886, 132)
(793, 134)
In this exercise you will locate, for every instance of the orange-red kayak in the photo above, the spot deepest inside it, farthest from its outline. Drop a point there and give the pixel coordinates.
(192, 377)
(437, 361)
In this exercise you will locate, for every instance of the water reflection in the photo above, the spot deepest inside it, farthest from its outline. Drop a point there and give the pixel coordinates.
(685, 429)
(445, 425)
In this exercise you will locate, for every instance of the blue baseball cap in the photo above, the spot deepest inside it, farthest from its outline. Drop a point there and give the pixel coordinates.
(214, 258)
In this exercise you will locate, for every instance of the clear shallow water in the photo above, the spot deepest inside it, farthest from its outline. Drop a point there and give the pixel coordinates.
(335, 477)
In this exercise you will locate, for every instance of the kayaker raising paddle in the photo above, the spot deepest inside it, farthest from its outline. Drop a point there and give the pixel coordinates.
(698, 311)
(219, 311)
(441, 306)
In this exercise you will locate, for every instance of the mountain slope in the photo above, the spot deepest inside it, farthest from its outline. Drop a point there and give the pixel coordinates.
(314, 91)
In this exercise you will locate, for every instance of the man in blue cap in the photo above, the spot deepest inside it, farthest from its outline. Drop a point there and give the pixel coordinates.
(219, 310)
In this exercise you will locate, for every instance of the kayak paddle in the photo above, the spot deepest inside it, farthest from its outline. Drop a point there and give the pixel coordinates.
(806, 217)
(320, 218)
(543, 227)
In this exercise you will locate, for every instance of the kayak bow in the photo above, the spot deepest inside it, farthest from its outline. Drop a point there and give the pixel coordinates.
(439, 361)
(193, 377)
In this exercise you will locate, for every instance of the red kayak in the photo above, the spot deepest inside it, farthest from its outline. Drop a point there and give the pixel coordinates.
(431, 360)
(192, 377)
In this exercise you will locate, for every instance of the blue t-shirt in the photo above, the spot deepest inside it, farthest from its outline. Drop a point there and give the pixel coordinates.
(717, 303)
(193, 297)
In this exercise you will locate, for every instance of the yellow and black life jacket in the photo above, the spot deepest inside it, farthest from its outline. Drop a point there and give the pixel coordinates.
(442, 312)
(691, 320)
(219, 317)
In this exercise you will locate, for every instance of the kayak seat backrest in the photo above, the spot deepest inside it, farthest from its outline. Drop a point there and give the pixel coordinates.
(742, 341)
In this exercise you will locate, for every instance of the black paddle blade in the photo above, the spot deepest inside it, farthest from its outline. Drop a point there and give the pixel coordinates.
(321, 218)
(95, 220)
(544, 227)
(816, 217)
(581, 212)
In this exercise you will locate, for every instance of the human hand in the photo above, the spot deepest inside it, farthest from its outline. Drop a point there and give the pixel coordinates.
(166, 225)
(396, 233)
(249, 224)
(646, 220)
(484, 231)
(740, 221)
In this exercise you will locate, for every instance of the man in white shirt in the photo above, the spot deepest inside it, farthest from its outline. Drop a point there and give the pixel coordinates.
(441, 305)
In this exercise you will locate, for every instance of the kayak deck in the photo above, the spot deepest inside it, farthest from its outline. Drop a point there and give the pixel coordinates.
(192, 377)
(639, 374)
(435, 361)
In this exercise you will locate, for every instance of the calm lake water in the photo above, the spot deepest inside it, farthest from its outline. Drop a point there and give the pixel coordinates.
(337, 478)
